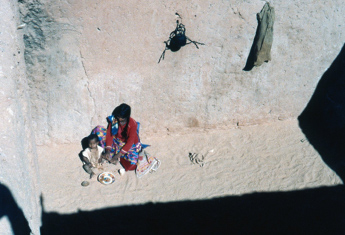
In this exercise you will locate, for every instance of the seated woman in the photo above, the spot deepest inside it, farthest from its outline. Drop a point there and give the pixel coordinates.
(120, 139)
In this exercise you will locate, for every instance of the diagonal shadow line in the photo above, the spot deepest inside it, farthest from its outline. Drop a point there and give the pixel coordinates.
(323, 119)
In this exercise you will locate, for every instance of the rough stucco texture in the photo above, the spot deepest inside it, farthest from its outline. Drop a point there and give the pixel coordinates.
(19, 186)
(86, 57)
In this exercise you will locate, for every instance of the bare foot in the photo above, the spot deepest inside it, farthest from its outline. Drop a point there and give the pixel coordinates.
(121, 171)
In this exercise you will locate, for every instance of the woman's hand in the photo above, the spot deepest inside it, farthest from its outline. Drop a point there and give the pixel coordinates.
(106, 155)
(116, 158)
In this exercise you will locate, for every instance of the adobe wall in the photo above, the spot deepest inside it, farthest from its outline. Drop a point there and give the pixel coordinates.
(86, 57)
(19, 182)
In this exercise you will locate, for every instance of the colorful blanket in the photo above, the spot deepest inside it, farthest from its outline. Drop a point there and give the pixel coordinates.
(146, 164)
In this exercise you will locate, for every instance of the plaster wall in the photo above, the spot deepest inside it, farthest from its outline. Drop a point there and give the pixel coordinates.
(86, 57)
(19, 181)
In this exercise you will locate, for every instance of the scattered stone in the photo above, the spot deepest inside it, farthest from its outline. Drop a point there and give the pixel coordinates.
(21, 26)
(193, 157)
(85, 183)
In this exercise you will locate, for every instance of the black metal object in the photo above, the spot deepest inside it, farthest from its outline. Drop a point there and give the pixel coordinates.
(178, 39)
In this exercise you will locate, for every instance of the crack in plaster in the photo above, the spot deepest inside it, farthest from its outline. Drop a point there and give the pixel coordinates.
(88, 87)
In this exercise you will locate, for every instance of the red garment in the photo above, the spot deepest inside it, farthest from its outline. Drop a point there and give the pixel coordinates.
(127, 165)
(131, 133)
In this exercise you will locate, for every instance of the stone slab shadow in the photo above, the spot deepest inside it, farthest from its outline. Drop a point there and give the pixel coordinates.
(323, 119)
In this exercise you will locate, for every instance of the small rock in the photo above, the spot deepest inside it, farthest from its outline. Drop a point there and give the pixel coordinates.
(85, 183)
(21, 26)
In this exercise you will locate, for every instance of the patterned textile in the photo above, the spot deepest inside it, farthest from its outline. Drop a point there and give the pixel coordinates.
(132, 155)
(114, 125)
(146, 164)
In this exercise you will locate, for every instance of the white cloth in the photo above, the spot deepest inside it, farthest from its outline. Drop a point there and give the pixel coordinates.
(93, 159)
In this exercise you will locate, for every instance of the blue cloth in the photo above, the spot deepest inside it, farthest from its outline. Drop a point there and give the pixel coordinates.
(114, 125)
(142, 145)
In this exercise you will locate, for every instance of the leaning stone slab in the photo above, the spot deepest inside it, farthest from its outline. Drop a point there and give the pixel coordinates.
(261, 48)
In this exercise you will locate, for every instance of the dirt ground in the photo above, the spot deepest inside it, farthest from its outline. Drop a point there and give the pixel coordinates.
(268, 157)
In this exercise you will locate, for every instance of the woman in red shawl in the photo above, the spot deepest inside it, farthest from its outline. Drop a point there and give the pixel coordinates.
(120, 139)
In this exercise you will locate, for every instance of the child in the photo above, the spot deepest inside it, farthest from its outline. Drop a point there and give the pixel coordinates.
(92, 156)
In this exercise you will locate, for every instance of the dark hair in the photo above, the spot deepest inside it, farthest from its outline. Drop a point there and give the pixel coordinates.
(123, 111)
(92, 137)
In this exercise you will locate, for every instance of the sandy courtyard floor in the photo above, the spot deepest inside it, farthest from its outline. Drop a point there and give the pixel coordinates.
(268, 157)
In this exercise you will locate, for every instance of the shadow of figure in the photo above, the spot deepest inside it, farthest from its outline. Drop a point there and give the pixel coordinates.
(85, 142)
(9, 208)
(323, 119)
(309, 211)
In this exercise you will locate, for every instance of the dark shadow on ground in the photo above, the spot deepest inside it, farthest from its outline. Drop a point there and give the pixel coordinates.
(310, 211)
(9, 208)
(323, 119)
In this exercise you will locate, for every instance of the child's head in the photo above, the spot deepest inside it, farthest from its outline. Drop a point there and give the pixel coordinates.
(93, 141)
